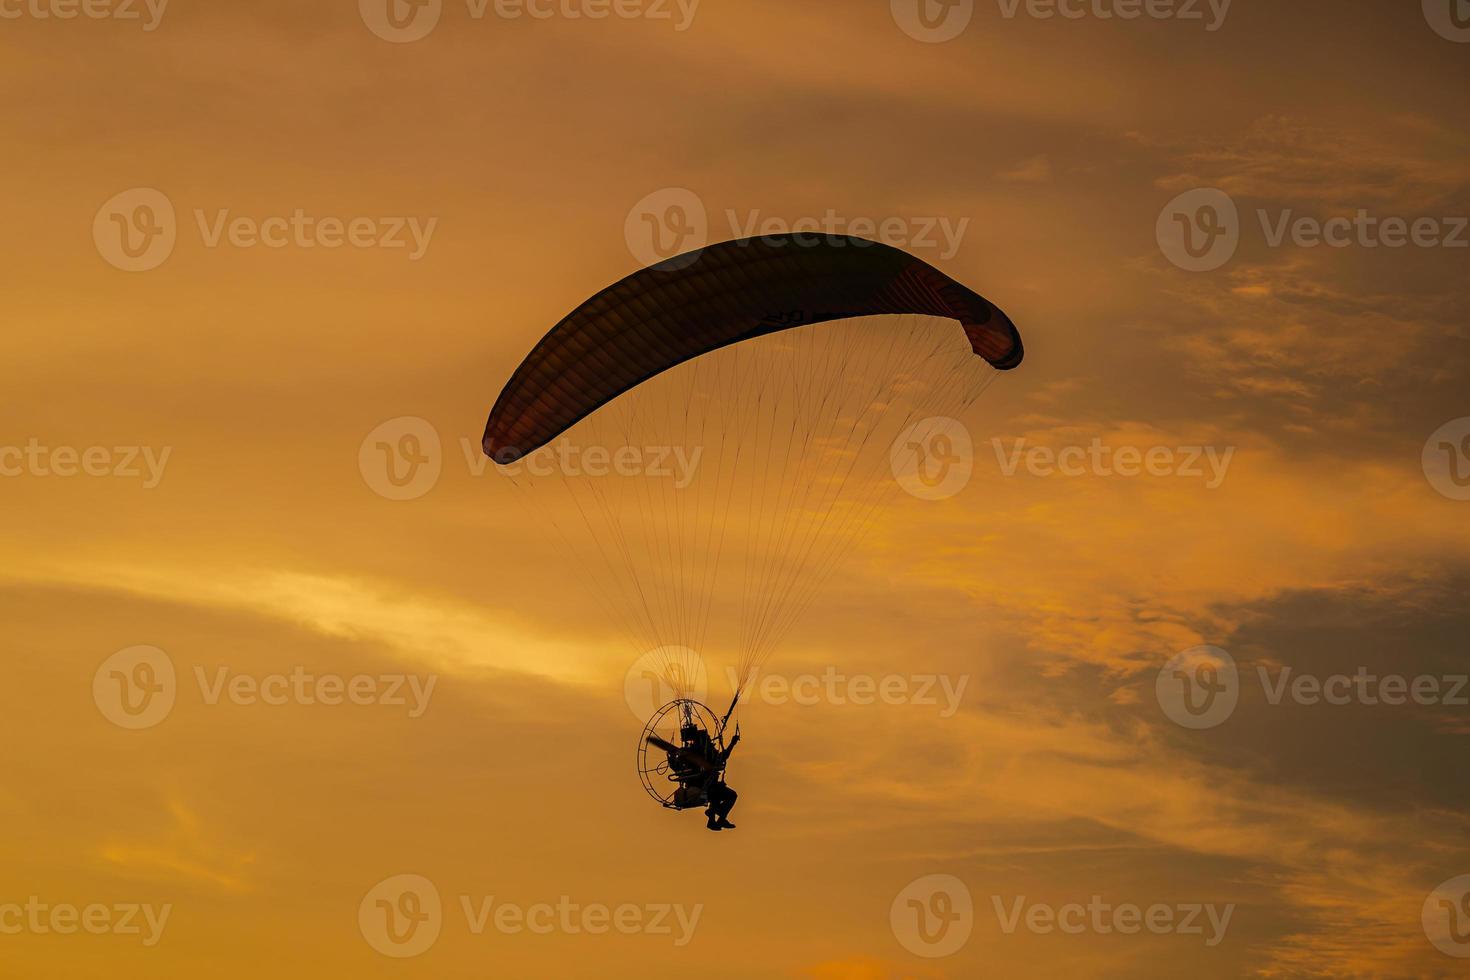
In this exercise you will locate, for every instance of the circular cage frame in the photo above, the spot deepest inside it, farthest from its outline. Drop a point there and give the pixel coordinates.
(654, 771)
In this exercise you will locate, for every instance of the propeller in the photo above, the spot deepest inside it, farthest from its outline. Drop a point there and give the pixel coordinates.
(673, 749)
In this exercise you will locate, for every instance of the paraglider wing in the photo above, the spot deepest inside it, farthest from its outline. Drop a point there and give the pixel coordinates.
(669, 313)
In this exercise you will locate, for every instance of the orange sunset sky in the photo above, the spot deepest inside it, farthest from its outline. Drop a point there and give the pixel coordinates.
(251, 536)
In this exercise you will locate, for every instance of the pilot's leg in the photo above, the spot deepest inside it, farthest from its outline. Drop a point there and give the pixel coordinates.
(712, 813)
(724, 805)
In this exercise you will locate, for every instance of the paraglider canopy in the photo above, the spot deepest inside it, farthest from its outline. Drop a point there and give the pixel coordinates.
(691, 305)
